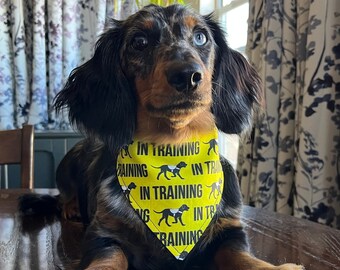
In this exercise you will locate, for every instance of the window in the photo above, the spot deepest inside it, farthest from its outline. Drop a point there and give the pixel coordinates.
(233, 15)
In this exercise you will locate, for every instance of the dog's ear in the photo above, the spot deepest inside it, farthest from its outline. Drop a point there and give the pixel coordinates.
(237, 88)
(99, 97)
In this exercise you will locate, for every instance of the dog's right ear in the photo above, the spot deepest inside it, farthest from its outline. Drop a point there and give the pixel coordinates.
(237, 89)
(100, 99)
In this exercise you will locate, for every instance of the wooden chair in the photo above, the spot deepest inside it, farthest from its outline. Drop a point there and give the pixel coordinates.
(16, 147)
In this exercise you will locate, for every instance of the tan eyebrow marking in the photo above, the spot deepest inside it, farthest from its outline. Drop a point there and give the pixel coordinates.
(148, 24)
(190, 21)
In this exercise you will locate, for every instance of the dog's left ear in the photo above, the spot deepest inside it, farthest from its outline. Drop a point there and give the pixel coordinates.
(100, 98)
(237, 88)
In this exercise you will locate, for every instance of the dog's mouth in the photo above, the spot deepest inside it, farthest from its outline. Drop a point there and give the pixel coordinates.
(178, 115)
(183, 107)
(178, 106)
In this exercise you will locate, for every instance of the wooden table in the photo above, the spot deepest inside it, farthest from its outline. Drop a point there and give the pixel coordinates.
(53, 244)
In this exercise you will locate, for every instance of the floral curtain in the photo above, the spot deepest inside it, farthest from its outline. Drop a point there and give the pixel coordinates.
(291, 163)
(41, 41)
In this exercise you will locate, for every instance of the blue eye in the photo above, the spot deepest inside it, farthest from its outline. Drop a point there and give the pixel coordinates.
(200, 38)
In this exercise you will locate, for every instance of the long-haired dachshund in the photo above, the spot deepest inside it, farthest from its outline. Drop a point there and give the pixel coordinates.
(161, 77)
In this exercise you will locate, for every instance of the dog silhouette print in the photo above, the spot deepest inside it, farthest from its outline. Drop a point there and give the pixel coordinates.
(212, 146)
(127, 189)
(175, 213)
(125, 151)
(174, 169)
(183, 255)
(215, 187)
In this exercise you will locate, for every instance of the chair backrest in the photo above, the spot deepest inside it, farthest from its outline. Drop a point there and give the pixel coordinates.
(16, 147)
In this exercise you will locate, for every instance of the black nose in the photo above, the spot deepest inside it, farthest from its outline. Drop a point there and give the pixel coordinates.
(184, 76)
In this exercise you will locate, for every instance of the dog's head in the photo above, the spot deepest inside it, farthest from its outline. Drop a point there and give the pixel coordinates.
(162, 73)
(184, 207)
(182, 164)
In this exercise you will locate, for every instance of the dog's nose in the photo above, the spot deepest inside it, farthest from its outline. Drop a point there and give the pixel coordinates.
(184, 76)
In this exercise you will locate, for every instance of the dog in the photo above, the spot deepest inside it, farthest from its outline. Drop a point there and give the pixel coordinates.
(175, 170)
(176, 213)
(162, 75)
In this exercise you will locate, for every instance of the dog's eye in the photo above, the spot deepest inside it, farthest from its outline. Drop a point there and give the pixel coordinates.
(140, 43)
(199, 38)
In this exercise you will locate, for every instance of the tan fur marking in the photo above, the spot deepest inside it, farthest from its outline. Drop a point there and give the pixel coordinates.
(70, 209)
(221, 224)
(190, 22)
(229, 223)
(147, 127)
(117, 261)
(148, 24)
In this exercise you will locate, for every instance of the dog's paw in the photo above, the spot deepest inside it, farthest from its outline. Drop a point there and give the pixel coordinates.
(71, 213)
(289, 266)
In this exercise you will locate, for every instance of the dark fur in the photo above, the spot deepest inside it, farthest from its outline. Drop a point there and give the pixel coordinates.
(108, 99)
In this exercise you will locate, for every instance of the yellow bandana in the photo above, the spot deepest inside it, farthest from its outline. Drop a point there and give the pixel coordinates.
(175, 189)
